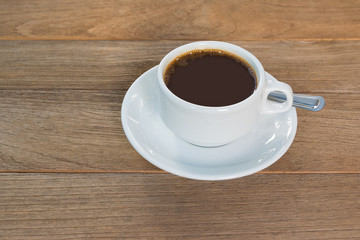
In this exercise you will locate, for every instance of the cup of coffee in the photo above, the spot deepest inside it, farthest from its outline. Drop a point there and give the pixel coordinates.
(213, 93)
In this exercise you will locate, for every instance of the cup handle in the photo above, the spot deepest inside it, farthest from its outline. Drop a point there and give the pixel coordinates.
(273, 85)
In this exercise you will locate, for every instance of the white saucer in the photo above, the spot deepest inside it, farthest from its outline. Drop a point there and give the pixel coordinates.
(157, 144)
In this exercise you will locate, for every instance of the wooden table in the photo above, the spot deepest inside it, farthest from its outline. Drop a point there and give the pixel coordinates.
(67, 170)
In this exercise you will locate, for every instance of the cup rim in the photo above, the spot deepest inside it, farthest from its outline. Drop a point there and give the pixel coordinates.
(224, 46)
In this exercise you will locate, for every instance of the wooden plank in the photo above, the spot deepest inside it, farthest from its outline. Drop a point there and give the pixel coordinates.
(73, 130)
(309, 67)
(66, 130)
(162, 206)
(156, 20)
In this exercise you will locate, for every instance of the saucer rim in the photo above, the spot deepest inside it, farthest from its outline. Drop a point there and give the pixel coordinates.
(183, 173)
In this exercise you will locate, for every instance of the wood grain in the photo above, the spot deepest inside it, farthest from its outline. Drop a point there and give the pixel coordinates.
(190, 20)
(327, 139)
(153, 206)
(77, 130)
(67, 170)
(80, 130)
(308, 66)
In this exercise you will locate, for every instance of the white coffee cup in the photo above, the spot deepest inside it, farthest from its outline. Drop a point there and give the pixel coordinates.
(215, 126)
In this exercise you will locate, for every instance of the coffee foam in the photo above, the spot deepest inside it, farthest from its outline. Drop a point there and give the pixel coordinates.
(182, 61)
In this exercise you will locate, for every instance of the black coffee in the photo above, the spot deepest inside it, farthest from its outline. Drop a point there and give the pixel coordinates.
(210, 78)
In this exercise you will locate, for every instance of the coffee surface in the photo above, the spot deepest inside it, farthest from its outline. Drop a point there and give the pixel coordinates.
(210, 78)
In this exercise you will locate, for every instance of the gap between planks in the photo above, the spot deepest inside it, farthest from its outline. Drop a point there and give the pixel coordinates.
(85, 38)
(164, 172)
